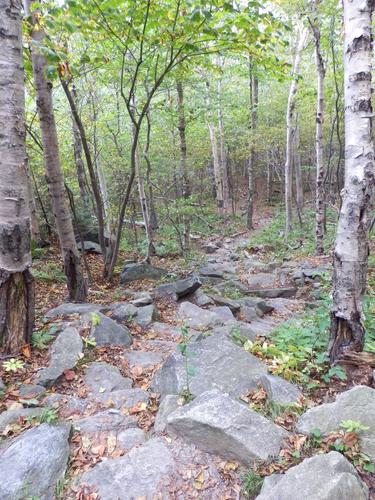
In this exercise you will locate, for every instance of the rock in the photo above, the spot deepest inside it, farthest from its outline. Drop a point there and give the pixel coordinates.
(10, 417)
(145, 359)
(187, 286)
(2, 386)
(32, 464)
(218, 424)
(137, 474)
(233, 305)
(223, 312)
(250, 313)
(274, 293)
(103, 377)
(357, 404)
(261, 280)
(201, 298)
(129, 438)
(106, 331)
(167, 405)
(65, 351)
(72, 308)
(31, 390)
(123, 398)
(146, 315)
(164, 328)
(90, 247)
(327, 476)
(210, 248)
(122, 311)
(166, 291)
(212, 271)
(141, 299)
(141, 270)
(279, 390)
(235, 329)
(105, 421)
(261, 305)
(228, 368)
(195, 317)
(231, 286)
(67, 405)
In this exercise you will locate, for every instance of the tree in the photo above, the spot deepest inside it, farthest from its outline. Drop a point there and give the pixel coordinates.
(77, 288)
(16, 284)
(352, 245)
(254, 91)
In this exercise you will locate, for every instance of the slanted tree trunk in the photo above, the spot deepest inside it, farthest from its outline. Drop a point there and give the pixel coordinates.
(319, 189)
(186, 191)
(72, 263)
(16, 284)
(290, 131)
(215, 155)
(223, 153)
(254, 93)
(352, 237)
(151, 200)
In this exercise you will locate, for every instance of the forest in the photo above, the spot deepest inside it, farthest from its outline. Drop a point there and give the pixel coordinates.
(187, 270)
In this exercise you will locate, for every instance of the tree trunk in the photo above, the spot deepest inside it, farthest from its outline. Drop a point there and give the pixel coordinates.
(223, 153)
(215, 155)
(290, 131)
(297, 172)
(35, 231)
(352, 237)
(320, 174)
(151, 200)
(183, 166)
(254, 93)
(16, 284)
(72, 266)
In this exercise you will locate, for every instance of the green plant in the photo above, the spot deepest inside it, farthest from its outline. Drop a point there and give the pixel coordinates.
(13, 365)
(95, 319)
(47, 416)
(252, 483)
(189, 370)
(353, 426)
(51, 273)
(315, 437)
(89, 341)
(42, 338)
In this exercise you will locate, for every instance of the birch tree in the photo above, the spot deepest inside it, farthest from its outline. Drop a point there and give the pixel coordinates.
(352, 244)
(16, 284)
(254, 91)
(71, 259)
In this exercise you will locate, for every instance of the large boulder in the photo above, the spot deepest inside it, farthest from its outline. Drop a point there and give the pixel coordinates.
(218, 424)
(138, 474)
(261, 280)
(196, 317)
(73, 308)
(103, 377)
(112, 420)
(236, 330)
(123, 311)
(280, 391)
(13, 416)
(274, 293)
(168, 404)
(180, 288)
(65, 351)
(32, 464)
(123, 398)
(106, 331)
(217, 363)
(141, 270)
(89, 247)
(144, 359)
(357, 404)
(224, 312)
(146, 315)
(233, 305)
(323, 477)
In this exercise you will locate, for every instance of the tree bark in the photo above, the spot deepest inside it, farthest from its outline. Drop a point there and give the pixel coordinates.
(254, 97)
(352, 237)
(186, 190)
(290, 131)
(320, 171)
(76, 283)
(16, 284)
(298, 172)
(223, 153)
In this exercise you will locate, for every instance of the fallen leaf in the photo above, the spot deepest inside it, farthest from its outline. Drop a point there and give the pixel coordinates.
(69, 375)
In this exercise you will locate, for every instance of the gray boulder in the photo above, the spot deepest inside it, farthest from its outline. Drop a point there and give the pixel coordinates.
(279, 390)
(274, 293)
(122, 311)
(72, 308)
(210, 248)
(166, 291)
(201, 298)
(135, 475)
(323, 477)
(106, 331)
(196, 317)
(223, 312)
(103, 377)
(123, 398)
(90, 247)
(31, 391)
(146, 315)
(65, 351)
(235, 329)
(180, 288)
(261, 280)
(218, 424)
(10, 417)
(145, 359)
(33, 463)
(129, 438)
(141, 270)
(167, 405)
(228, 368)
(233, 305)
(141, 299)
(105, 421)
(250, 313)
(212, 271)
(261, 305)
(357, 404)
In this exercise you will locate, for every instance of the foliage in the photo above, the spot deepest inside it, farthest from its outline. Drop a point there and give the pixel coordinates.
(51, 272)
(252, 483)
(47, 416)
(41, 338)
(13, 365)
(183, 347)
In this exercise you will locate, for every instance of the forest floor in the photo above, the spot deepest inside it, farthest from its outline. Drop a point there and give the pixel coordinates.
(289, 338)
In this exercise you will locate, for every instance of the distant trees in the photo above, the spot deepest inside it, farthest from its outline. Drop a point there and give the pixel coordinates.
(16, 284)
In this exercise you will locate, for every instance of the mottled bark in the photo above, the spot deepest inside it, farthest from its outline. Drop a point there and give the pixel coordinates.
(298, 172)
(186, 190)
(352, 242)
(320, 171)
(254, 98)
(16, 284)
(223, 152)
(290, 131)
(71, 259)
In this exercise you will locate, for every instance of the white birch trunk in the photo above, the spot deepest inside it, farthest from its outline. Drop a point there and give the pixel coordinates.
(16, 288)
(352, 245)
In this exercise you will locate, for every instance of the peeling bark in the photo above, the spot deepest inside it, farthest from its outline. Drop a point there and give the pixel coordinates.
(16, 284)
(352, 242)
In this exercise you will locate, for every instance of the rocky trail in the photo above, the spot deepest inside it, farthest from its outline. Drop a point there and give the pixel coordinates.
(151, 392)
